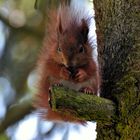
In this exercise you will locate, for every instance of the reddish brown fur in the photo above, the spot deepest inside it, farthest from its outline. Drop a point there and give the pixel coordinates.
(67, 46)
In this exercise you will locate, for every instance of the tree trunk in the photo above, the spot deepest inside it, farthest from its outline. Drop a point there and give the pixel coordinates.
(119, 58)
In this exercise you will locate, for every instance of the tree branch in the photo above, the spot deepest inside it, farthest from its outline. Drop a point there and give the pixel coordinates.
(16, 113)
(82, 106)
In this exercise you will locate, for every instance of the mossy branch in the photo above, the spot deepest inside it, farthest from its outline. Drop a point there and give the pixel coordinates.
(82, 106)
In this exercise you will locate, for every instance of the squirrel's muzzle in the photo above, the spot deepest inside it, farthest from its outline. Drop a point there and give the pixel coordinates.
(72, 70)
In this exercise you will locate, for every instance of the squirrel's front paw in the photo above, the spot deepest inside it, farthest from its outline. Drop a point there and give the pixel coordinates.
(81, 75)
(87, 90)
(64, 73)
(58, 84)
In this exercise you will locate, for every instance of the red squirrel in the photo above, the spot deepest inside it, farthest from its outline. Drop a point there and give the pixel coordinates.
(66, 59)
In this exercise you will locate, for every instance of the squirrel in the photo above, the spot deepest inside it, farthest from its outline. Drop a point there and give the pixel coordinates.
(66, 59)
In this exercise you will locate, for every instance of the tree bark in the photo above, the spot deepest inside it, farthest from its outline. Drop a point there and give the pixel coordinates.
(118, 39)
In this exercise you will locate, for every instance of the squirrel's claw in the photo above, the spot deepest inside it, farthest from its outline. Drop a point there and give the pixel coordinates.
(58, 84)
(87, 90)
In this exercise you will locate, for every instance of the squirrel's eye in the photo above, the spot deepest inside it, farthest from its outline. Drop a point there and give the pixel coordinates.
(59, 49)
(81, 50)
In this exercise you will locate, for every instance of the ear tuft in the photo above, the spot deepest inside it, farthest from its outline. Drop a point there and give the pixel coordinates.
(84, 30)
(59, 26)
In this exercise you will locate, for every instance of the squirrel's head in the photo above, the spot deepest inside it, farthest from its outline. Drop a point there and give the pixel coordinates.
(73, 48)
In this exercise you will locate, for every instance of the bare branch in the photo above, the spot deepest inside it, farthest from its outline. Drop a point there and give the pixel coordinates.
(16, 113)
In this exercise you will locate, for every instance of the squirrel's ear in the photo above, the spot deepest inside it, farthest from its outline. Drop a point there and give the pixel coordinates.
(84, 30)
(59, 26)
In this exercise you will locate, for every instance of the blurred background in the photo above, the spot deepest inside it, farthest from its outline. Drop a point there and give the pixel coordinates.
(22, 28)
